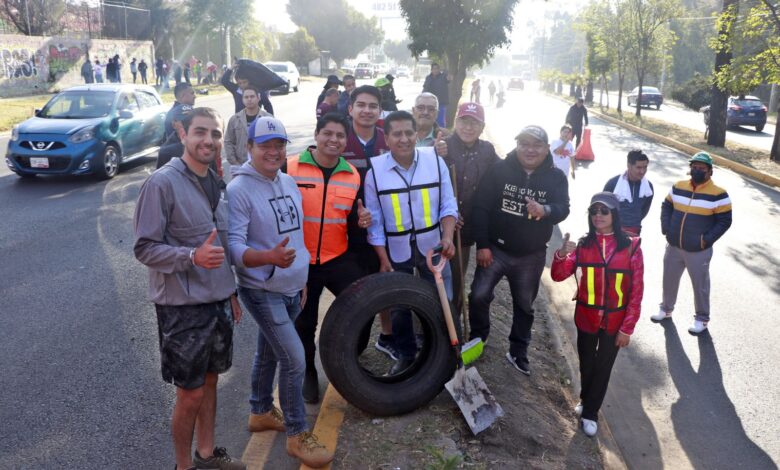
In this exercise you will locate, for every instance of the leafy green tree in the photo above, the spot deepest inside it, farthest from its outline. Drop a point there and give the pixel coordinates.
(299, 48)
(398, 51)
(465, 32)
(221, 16)
(600, 58)
(34, 17)
(336, 26)
(258, 42)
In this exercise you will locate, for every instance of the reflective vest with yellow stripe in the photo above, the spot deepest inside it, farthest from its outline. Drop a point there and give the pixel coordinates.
(603, 289)
(325, 206)
(410, 208)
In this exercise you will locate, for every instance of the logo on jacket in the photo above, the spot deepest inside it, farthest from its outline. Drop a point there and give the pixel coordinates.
(287, 217)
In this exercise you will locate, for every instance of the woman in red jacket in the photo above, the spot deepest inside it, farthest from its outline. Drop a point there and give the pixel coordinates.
(609, 268)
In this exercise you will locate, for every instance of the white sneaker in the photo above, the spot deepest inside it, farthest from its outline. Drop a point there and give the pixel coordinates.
(589, 427)
(578, 409)
(697, 328)
(660, 316)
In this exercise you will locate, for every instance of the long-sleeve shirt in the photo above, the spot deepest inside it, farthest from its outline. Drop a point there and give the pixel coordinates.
(576, 115)
(238, 99)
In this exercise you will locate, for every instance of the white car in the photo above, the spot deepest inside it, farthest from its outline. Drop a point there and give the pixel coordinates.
(402, 72)
(289, 72)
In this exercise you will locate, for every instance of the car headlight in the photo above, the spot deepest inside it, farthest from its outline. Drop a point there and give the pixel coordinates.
(15, 134)
(83, 135)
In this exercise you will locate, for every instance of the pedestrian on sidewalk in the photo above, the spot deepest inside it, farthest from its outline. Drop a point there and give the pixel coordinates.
(267, 247)
(118, 69)
(176, 72)
(134, 69)
(609, 298)
(634, 191)
(86, 71)
(329, 187)
(142, 68)
(438, 82)
(111, 71)
(235, 152)
(98, 72)
(476, 91)
(413, 209)
(575, 117)
(492, 91)
(516, 205)
(694, 215)
(180, 235)
(158, 70)
(563, 151)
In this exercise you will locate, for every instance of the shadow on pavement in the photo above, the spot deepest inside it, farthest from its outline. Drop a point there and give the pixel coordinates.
(758, 259)
(704, 418)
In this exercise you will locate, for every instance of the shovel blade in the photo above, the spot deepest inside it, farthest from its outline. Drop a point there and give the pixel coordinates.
(475, 401)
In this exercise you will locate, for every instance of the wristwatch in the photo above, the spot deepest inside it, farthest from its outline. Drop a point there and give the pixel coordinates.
(192, 256)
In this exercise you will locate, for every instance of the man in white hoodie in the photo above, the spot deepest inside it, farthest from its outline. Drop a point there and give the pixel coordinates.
(634, 191)
(272, 264)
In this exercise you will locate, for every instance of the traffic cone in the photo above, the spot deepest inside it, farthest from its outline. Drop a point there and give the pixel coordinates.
(584, 151)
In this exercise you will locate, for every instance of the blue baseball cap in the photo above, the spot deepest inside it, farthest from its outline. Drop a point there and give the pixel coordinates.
(266, 128)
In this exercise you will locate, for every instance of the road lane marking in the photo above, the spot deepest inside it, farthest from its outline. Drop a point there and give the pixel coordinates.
(329, 420)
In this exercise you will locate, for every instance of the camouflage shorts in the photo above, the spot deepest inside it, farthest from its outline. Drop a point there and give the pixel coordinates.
(194, 340)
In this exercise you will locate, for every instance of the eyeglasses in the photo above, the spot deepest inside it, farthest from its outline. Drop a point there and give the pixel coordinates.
(598, 210)
(422, 108)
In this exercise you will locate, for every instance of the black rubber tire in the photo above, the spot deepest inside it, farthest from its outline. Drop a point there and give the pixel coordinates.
(107, 165)
(339, 345)
(658, 107)
(760, 128)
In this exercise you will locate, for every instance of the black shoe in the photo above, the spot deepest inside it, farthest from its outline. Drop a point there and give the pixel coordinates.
(311, 386)
(400, 366)
(519, 363)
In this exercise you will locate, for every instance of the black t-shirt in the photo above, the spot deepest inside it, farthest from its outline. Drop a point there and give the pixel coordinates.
(210, 186)
(251, 119)
(326, 172)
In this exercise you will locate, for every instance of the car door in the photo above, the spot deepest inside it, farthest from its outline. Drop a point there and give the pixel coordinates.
(153, 128)
(130, 133)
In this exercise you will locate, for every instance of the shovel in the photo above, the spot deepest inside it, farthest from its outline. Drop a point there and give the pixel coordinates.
(467, 388)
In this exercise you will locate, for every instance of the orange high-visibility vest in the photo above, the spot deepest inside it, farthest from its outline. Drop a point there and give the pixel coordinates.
(325, 206)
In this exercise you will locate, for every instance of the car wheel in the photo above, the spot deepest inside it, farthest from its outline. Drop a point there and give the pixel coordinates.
(658, 106)
(295, 88)
(286, 89)
(107, 165)
(760, 128)
(343, 339)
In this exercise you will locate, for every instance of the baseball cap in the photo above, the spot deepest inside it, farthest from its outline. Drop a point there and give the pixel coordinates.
(181, 112)
(702, 157)
(266, 128)
(474, 110)
(380, 82)
(606, 198)
(332, 79)
(534, 131)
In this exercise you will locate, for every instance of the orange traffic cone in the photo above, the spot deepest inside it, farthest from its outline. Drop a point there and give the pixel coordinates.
(584, 151)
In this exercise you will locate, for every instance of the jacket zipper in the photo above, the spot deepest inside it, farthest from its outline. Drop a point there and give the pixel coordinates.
(685, 216)
(322, 218)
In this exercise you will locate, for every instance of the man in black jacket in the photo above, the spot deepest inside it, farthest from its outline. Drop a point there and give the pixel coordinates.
(514, 210)
(236, 89)
(577, 113)
(438, 83)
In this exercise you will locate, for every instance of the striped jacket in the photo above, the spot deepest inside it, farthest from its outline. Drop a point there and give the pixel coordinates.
(694, 218)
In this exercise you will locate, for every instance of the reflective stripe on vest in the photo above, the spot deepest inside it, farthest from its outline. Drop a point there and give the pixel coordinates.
(619, 288)
(591, 273)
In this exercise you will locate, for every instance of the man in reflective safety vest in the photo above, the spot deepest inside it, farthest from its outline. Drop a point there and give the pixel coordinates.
(413, 209)
(329, 186)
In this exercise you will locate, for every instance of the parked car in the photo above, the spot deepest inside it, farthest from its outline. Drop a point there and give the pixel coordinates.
(745, 111)
(402, 72)
(364, 70)
(88, 129)
(515, 83)
(289, 72)
(650, 96)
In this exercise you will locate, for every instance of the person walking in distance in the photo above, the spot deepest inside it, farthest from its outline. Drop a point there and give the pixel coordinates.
(98, 72)
(134, 69)
(694, 215)
(634, 191)
(180, 228)
(563, 150)
(576, 115)
(609, 299)
(267, 247)
(514, 210)
(438, 83)
(159, 71)
(87, 72)
(492, 91)
(142, 68)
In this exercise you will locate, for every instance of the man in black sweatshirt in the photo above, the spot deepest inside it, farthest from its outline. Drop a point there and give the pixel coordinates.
(517, 204)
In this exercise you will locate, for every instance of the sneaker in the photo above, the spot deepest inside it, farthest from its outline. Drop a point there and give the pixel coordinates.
(385, 344)
(660, 316)
(698, 327)
(578, 409)
(519, 363)
(271, 421)
(220, 459)
(311, 386)
(306, 448)
(400, 366)
(589, 427)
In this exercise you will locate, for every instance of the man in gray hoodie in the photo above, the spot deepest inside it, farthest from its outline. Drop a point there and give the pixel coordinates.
(180, 235)
(272, 263)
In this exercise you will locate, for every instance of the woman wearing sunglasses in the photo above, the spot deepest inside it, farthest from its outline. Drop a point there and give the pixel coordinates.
(609, 269)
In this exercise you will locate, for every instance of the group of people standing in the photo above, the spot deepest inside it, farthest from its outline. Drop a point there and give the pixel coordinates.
(111, 70)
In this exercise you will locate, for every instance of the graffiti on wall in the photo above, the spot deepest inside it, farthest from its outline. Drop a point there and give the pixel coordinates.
(18, 63)
(62, 58)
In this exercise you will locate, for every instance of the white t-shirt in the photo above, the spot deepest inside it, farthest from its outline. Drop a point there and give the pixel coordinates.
(562, 160)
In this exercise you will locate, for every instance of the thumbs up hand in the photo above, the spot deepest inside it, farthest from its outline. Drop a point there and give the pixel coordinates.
(282, 256)
(567, 246)
(364, 215)
(207, 255)
(440, 145)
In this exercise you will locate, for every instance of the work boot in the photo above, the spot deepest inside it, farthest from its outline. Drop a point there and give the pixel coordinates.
(220, 459)
(307, 449)
(272, 420)
(311, 386)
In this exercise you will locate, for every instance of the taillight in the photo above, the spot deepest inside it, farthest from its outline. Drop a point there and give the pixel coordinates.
(763, 108)
(734, 107)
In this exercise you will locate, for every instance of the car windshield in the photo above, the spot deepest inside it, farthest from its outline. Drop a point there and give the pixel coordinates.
(79, 105)
(749, 103)
(277, 67)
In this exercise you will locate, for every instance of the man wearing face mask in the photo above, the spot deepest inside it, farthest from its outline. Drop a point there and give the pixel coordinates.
(694, 215)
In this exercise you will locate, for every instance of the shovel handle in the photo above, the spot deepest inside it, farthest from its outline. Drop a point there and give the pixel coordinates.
(436, 269)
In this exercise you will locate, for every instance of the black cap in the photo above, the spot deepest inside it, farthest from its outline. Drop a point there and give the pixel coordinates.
(606, 198)
(331, 80)
(390, 77)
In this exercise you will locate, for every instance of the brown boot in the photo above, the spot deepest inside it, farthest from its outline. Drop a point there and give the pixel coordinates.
(307, 449)
(273, 420)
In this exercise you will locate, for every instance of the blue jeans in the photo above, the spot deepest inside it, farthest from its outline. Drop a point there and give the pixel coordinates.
(524, 274)
(441, 119)
(277, 341)
(403, 325)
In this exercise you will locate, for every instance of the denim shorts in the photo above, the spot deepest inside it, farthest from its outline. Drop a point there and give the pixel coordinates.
(194, 340)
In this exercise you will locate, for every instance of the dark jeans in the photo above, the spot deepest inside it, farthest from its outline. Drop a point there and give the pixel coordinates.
(335, 275)
(577, 131)
(524, 275)
(597, 356)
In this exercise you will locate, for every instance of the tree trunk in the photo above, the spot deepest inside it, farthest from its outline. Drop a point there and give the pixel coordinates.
(774, 154)
(456, 86)
(717, 125)
(621, 78)
(606, 87)
(638, 103)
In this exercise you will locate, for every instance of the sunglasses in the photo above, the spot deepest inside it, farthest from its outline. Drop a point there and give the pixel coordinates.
(598, 210)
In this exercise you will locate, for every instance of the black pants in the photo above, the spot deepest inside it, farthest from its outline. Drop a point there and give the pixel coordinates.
(577, 135)
(335, 275)
(597, 356)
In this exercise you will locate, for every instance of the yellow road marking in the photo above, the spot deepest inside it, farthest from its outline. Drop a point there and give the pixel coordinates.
(329, 420)
(258, 449)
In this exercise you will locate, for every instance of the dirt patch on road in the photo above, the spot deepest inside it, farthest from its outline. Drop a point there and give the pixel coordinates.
(539, 429)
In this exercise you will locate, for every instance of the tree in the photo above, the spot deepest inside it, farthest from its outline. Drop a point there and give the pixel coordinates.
(650, 36)
(464, 32)
(398, 51)
(600, 58)
(34, 17)
(258, 42)
(720, 88)
(336, 26)
(221, 16)
(299, 48)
